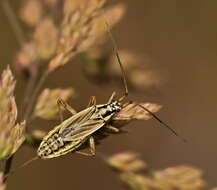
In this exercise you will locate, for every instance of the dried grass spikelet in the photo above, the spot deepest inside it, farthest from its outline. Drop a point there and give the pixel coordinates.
(26, 59)
(46, 106)
(31, 13)
(180, 177)
(2, 184)
(132, 111)
(82, 28)
(173, 178)
(46, 38)
(12, 134)
(138, 181)
(112, 16)
(126, 162)
(77, 22)
(35, 137)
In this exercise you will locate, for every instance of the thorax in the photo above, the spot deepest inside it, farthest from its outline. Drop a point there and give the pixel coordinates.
(106, 111)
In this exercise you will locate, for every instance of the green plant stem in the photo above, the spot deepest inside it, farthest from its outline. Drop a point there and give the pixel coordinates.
(7, 168)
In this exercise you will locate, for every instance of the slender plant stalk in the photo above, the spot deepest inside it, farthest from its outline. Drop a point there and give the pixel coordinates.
(7, 168)
(34, 96)
(18, 32)
(29, 88)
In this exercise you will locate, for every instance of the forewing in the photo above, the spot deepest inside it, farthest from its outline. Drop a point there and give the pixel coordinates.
(82, 131)
(76, 120)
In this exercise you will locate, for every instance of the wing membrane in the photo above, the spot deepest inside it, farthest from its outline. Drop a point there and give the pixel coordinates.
(77, 119)
(82, 131)
(81, 125)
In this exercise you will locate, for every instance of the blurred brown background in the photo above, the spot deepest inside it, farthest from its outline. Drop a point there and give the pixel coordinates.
(180, 37)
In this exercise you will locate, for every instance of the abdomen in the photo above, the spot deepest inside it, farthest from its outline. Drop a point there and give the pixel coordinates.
(53, 146)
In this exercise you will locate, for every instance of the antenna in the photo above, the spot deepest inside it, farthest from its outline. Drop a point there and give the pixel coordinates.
(115, 48)
(22, 166)
(163, 123)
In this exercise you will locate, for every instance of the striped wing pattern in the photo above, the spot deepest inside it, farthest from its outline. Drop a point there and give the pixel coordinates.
(71, 133)
(82, 126)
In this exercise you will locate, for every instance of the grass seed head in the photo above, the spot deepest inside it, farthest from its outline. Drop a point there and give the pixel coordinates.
(126, 162)
(31, 12)
(12, 134)
(26, 58)
(46, 38)
(180, 177)
(132, 111)
(46, 106)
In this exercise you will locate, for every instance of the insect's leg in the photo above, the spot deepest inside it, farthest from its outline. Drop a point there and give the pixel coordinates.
(60, 111)
(66, 106)
(111, 98)
(92, 148)
(83, 153)
(92, 101)
(92, 145)
(112, 129)
(122, 97)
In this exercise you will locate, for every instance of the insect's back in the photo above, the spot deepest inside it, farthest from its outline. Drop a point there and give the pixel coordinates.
(74, 131)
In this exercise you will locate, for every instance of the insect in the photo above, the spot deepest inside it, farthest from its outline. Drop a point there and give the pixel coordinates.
(71, 133)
